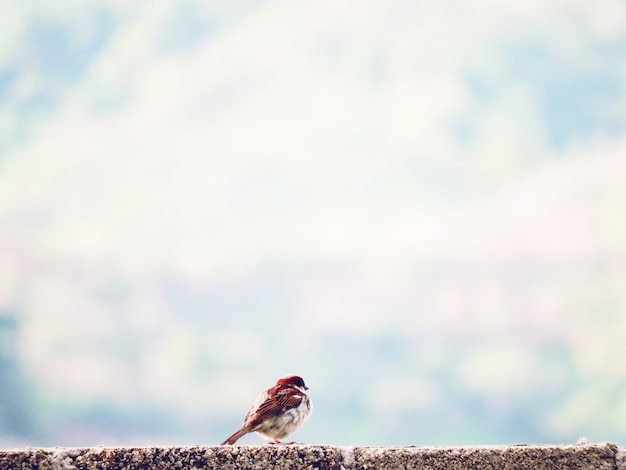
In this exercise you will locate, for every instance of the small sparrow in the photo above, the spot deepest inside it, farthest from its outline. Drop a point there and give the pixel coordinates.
(277, 412)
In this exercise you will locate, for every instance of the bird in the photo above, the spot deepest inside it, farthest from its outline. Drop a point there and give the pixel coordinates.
(277, 412)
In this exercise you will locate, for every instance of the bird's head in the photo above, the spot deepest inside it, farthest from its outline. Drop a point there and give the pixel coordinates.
(294, 380)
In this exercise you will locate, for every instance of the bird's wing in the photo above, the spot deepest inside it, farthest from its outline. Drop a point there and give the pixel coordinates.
(278, 403)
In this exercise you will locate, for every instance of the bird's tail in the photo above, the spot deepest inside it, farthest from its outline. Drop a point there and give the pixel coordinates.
(236, 436)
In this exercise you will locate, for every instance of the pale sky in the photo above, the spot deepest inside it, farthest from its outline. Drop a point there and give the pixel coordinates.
(203, 141)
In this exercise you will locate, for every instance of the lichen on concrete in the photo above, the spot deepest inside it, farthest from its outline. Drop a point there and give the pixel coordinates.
(604, 456)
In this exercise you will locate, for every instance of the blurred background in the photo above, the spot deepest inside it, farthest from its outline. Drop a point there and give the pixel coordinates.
(419, 206)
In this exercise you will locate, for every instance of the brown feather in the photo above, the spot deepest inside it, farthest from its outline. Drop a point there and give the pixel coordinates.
(276, 404)
(236, 436)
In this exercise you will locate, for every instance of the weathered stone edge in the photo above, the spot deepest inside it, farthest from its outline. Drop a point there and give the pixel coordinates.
(588, 456)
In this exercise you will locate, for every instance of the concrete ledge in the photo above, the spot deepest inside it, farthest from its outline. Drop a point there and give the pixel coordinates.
(586, 456)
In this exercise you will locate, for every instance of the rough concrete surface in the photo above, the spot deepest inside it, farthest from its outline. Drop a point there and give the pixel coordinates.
(588, 456)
